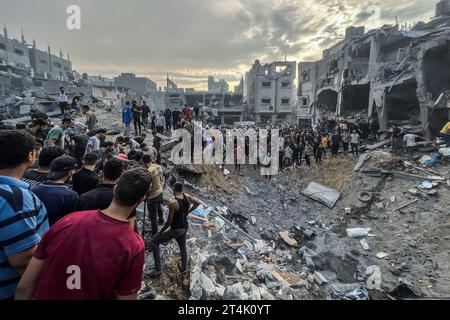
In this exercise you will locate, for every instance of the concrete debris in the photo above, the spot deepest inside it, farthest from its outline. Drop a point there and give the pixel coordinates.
(365, 245)
(358, 232)
(319, 278)
(382, 255)
(361, 161)
(323, 194)
(286, 238)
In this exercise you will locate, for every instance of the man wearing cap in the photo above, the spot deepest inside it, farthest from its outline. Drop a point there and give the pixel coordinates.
(86, 179)
(55, 194)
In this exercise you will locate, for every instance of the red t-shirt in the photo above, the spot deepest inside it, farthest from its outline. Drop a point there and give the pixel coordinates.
(187, 112)
(89, 256)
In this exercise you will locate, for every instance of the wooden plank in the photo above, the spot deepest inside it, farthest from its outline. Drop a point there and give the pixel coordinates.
(285, 236)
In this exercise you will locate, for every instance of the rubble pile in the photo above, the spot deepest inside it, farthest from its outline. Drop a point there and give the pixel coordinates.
(259, 239)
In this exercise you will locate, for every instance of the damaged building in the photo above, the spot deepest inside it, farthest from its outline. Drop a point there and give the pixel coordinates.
(389, 76)
(269, 91)
(19, 59)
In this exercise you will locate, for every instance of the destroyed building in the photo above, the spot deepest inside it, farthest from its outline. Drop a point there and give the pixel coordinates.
(19, 59)
(217, 86)
(139, 85)
(269, 91)
(389, 76)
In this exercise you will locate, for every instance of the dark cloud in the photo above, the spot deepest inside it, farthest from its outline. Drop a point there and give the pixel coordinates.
(195, 38)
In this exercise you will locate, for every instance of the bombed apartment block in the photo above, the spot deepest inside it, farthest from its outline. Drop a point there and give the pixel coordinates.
(392, 76)
(269, 91)
(23, 65)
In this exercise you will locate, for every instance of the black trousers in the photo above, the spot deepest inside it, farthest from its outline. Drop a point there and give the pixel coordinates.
(180, 236)
(355, 149)
(308, 160)
(160, 129)
(63, 108)
(335, 149)
(345, 145)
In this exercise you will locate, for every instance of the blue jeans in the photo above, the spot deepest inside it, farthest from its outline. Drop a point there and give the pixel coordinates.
(127, 129)
(446, 138)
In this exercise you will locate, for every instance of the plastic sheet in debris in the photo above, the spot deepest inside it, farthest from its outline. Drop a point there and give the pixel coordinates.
(429, 160)
(200, 211)
(360, 293)
(445, 152)
(219, 223)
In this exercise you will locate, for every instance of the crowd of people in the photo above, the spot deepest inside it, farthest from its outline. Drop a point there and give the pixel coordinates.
(143, 118)
(68, 203)
(69, 197)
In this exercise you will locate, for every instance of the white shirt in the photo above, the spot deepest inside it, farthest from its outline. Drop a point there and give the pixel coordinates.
(354, 138)
(63, 97)
(94, 142)
(410, 140)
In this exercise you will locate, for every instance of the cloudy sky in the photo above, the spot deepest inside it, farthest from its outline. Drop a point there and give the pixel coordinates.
(192, 39)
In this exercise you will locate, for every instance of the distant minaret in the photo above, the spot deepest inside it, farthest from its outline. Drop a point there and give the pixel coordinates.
(5, 32)
(34, 44)
(23, 38)
(50, 60)
(60, 54)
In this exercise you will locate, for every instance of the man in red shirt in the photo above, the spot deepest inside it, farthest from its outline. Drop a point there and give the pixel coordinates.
(186, 112)
(92, 255)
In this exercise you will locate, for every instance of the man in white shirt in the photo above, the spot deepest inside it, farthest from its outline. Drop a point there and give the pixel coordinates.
(95, 141)
(63, 101)
(410, 140)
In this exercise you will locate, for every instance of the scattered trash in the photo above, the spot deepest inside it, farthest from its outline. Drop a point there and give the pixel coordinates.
(406, 205)
(429, 160)
(445, 152)
(426, 185)
(365, 196)
(365, 245)
(382, 255)
(349, 292)
(319, 278)
(286, 238)
(406, 290)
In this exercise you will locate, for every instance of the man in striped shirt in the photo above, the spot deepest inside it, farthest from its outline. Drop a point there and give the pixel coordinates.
(23, 217)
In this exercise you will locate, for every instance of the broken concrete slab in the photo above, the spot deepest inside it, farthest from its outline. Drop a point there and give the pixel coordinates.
(325, 195)
(361, 161)
(287, 239)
